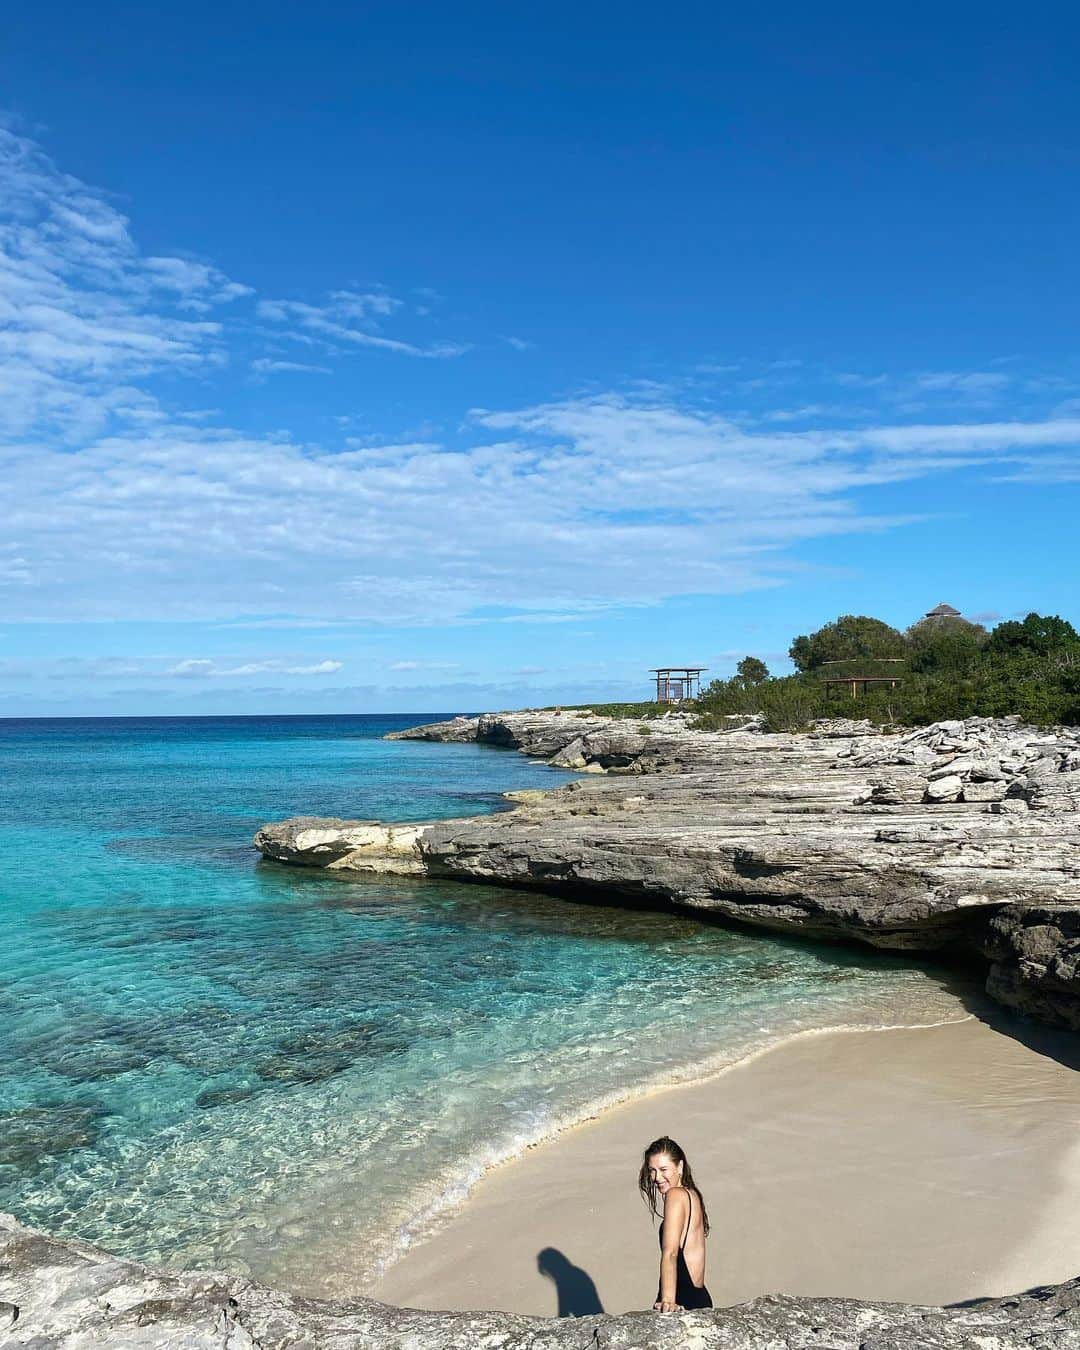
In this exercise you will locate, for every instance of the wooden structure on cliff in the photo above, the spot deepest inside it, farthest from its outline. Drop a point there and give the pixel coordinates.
(857, 677)
(676, 684)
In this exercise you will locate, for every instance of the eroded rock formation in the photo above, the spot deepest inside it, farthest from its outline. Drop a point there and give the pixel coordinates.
(963, 836)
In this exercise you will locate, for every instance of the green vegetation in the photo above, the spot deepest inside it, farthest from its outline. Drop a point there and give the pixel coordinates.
(947, 668)
(751, 671)
(850, 636)
(641, 711)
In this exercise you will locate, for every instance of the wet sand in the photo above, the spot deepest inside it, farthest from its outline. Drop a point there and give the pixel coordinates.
(927, 1166)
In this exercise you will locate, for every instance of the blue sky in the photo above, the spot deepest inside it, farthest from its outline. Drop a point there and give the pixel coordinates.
(426, 357)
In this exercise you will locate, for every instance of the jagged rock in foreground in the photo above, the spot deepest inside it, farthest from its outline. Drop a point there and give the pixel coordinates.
(60, 1295)
(959, 837)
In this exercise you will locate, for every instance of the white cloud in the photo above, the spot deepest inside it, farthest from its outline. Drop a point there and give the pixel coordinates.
(319, 668)
(266, 365)
(361, 305)
(1045, 469)
(963, 382)
(204, 669)
(853, 379)
(82, 313)
(423, 665)
(112, 668)
(199, 285)
(578, 506)
(85, 317)
(337, 320)
(530, 515)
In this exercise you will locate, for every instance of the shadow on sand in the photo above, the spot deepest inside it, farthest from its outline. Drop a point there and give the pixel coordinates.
(574, 1286)
(1056, 1043)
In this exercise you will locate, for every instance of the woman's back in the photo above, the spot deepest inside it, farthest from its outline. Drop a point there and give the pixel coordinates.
(690, 1270)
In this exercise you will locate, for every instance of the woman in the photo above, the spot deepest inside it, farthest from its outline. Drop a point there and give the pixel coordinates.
(665, 1174)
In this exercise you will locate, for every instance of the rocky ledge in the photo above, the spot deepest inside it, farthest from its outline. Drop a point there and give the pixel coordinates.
(961, 837)
(70, 1296)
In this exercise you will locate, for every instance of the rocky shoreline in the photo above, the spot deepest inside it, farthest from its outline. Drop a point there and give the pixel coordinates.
(961, 838)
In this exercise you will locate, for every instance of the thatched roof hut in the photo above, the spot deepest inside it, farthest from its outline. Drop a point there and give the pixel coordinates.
(943, 611)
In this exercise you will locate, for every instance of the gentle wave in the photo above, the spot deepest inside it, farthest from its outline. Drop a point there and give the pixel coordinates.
(437, 1204)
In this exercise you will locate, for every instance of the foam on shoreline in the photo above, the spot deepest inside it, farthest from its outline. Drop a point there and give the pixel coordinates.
(438, 1204)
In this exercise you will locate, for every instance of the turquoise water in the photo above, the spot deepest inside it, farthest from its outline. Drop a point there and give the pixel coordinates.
(210, 1059)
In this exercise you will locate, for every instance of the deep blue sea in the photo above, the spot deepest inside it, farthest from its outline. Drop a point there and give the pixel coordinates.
(206, 1058)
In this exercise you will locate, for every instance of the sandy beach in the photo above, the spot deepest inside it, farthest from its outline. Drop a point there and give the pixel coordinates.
(928, 1165)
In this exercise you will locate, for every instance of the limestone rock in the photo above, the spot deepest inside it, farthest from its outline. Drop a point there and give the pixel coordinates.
(782, 832)
(945, 789)
(350, 845)
(458, 729)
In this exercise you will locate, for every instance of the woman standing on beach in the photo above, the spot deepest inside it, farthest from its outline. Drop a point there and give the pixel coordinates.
(665, 1175)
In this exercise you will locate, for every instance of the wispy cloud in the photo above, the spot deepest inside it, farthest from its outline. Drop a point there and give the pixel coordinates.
(423, 665)
(552, 511)
(267, 365)
(199, 285)
(350, 318)
(114, 668)
(82, 314)
(116, 507)
(85, 317)
(204, 669)
(964, 382)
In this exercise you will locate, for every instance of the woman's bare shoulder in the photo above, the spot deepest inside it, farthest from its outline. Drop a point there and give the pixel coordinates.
(676, 1199)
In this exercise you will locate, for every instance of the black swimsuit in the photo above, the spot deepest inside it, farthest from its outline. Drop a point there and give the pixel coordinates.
(687, 1293)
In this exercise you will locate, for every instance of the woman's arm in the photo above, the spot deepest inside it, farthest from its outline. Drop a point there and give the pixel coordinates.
(676, 1212)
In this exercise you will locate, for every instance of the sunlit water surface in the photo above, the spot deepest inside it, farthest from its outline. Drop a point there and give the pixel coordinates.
(209, 1059)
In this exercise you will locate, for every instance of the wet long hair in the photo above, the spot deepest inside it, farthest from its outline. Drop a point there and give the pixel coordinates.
(647, 1186)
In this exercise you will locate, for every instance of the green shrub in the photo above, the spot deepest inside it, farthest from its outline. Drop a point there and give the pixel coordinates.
(630, 711)
(953, 670)
(787, 703)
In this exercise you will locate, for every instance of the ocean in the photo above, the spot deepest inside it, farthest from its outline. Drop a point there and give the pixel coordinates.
(209, 1059)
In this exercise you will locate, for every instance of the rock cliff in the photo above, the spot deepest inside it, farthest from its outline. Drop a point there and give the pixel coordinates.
(960, 837)
(58, 1295)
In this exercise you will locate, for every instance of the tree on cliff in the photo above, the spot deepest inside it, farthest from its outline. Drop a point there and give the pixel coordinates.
(751, 671)
(851, 637)
(945, 643)
(1041, 633)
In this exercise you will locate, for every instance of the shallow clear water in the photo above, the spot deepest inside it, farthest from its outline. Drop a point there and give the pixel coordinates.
(206, 1058)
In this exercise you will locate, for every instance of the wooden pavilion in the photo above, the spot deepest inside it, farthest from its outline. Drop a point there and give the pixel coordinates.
(857, 677)
(676, 684)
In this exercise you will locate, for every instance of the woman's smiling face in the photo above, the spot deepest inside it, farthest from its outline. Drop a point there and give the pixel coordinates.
(664, 1172)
